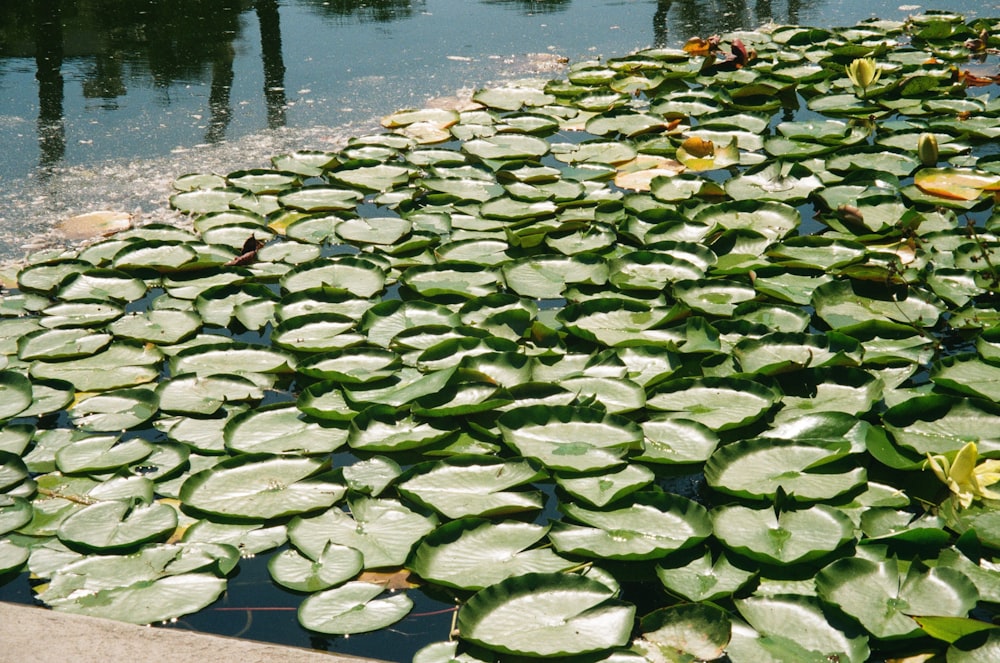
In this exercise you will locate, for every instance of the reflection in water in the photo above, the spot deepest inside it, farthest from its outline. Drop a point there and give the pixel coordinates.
(274, 63)
(166, 41)
(119, 49)
(183, 42)
(48, 71)
(533, 6)
(218, 98)
(373, 11)
(697, 18)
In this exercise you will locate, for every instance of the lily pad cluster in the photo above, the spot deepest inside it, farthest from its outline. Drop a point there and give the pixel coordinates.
(645, 363)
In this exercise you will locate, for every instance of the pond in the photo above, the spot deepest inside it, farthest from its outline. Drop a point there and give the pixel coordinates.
(109, 114)
(123, 96)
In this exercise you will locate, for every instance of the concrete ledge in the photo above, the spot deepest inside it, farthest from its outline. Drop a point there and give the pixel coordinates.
(43, 636)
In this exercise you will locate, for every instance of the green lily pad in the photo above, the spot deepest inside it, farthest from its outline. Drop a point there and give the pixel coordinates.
(704, 579)
(147, 601)
(116, 410)
(336, 565)
(353, 608)
(890, 595)
(117, 525)
(793, 628)
(569, 438)
(938, 424)
(757, 468)
(96, 453)
(15, 393)
(696, 630)
(547, 276)
(846, 303)
(789, 183)
(784, 538)
(320, 199)
(607, 487)
(473, 553)
(190, 393)
(283, 430)
(384, 531)
(472, 486)
(653, 526)
(719, 403)
(261, 488)
(546, 614)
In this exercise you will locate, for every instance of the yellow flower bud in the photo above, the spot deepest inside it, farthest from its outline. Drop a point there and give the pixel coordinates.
(927, 149)
(863, 73)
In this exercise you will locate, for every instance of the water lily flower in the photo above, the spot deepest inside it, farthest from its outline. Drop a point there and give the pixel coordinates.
(864, 73)
(927, 149)
(964, 478)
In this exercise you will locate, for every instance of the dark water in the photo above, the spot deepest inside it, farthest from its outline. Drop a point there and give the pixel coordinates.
(104, 102)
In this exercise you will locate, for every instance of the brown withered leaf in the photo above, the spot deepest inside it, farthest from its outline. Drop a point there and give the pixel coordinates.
(702, 46)
(398, 579)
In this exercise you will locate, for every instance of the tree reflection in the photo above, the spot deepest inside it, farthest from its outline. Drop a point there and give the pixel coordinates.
(375, 11)
(48, 71)
(699, 18)
(274, 63)
(533, 6)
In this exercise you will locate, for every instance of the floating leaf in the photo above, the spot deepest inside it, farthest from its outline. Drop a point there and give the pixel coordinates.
(697, 630)
(470, 486)
(336, 565)
(473, 553)
(383, 530)
(546, 614)
(653, 526)
(793, 628)
(353, 608)
(117, 525)
(569, 438)
(757, 468)
(261, 488)
(891, 595)
(785, 538)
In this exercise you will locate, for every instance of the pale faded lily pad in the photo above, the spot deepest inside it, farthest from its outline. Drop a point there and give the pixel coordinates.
(464, 553)
(353, 608)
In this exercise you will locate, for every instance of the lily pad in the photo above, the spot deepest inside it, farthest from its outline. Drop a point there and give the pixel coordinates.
(261, 488)
(473, 553)
(569, 438)
(546, 615)
(353, 608)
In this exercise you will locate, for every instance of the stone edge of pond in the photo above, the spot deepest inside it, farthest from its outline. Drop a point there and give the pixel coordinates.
(51, 637)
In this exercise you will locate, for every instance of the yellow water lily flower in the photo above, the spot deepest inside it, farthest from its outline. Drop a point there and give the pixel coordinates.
(964, 478)
(863, 72)
(927, 149)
